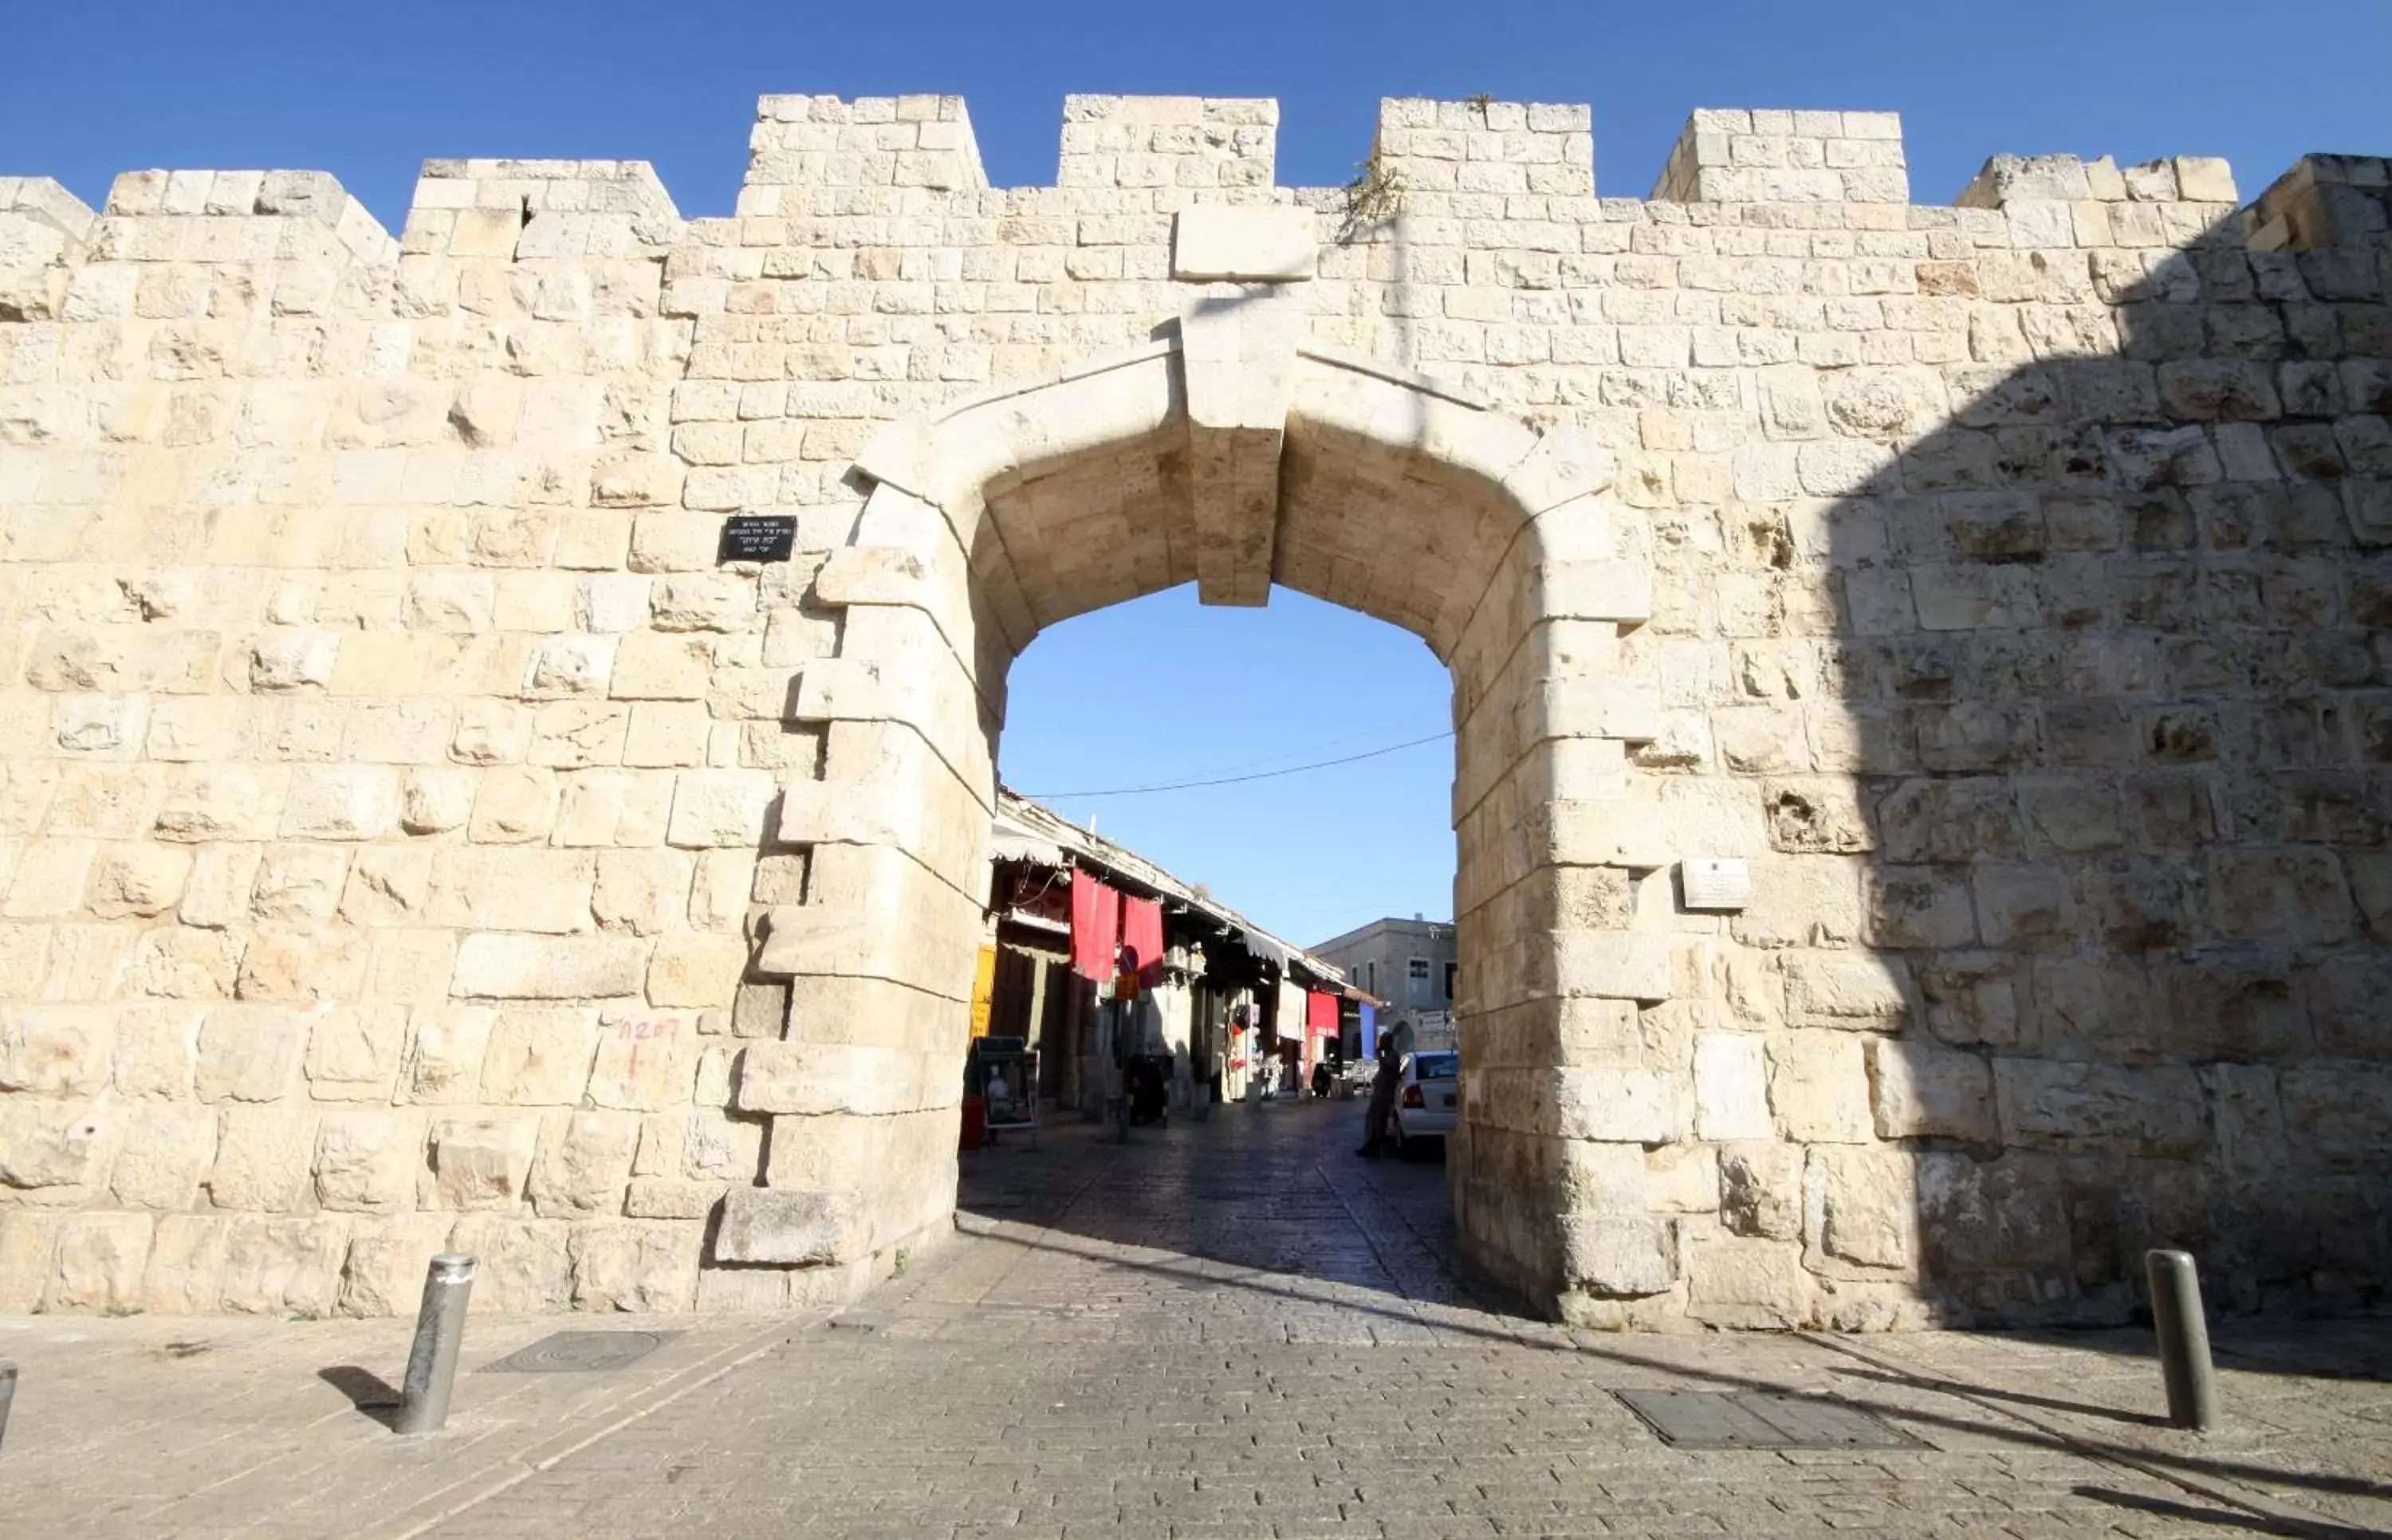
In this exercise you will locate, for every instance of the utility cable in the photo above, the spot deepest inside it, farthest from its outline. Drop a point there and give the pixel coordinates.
(1233, 779)
(1284, 756)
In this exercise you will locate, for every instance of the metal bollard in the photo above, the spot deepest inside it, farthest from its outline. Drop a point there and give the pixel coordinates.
(2184, 1340)
(439, 1328)
(8, 1394)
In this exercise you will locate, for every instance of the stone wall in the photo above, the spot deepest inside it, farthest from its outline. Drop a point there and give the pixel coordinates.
(416, 837)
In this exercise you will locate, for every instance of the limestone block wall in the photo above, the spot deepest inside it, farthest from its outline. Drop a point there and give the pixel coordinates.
(418, 837)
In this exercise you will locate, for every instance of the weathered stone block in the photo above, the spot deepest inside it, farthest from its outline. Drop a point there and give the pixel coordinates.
(1760, 1190)
(696, 970)
(366, 1163)
(340, 803)
(670, 1198)
(262, 1159)
(298, 884)
(168, 1150)
(1860, 1209)
(814, 1078)
(2096, 1108)
(1633, 1106)
(540, 1056)
(283, 1266)
(521, 1265)
(482, 1163)
(52, 1145)
(1747, 1283)
(1819, 1088)
(584, 1161)
(250, 1053)
(790, 1228)
(642, 891)
(2343, 1113)
(353, 1053)
(641, 1266)
(503, 966)
(445, 1054)
(1618, 1258)
(98, 1263)
(185, 1269)
(720, 807)
(157, 1048)
(54, 1050)
(1921, 1091)
(28, 1242)
(645, 1060)
(387, 1260)
(1982, 1216)
(1855, 990)
(1731, 1088)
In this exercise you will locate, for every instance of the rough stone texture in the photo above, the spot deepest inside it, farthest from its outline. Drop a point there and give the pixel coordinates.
(406, 811)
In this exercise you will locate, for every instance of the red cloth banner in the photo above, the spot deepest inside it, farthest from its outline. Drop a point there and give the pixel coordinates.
(1095, 926)
(1320, 1012)
(1141, 925)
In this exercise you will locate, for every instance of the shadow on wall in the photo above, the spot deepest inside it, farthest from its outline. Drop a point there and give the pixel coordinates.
(2079, 870)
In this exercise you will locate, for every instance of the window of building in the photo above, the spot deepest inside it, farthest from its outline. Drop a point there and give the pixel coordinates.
(1448, 980)
(1420, 967)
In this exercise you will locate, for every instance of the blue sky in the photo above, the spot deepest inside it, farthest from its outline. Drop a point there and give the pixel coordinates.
(1164, 690)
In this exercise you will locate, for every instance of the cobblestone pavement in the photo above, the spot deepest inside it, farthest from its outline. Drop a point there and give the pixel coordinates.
(1232, 1328)
(220, 1426)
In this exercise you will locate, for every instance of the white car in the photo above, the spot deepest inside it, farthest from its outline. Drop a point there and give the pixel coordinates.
(1428, 1096)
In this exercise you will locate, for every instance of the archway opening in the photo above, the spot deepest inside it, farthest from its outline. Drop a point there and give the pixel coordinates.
(1231, 455)
(1276, 783)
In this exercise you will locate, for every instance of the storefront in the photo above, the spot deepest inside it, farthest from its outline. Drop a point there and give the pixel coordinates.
(1211, 1004)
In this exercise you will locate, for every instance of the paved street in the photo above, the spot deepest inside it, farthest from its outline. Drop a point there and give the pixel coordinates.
(1232, 1328)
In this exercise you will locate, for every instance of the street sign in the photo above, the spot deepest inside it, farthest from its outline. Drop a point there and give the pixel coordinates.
(1715, 884)
(758, 537)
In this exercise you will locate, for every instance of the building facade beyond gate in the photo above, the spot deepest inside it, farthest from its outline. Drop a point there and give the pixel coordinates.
(499, 722)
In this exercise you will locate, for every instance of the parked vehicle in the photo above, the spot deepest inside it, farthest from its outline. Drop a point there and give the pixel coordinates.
(1428, 1098)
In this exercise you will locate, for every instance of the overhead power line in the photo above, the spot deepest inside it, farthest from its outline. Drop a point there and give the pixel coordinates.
(1233, 779)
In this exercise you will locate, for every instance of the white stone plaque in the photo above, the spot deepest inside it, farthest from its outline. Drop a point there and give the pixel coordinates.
(1262, 245)
(1715, 882)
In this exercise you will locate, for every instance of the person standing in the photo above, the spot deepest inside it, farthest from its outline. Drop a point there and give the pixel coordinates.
(1383, 1097)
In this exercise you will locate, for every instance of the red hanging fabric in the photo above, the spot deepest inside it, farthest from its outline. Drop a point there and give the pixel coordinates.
(1320, 1012)
(1095, 924)
(1142, 921)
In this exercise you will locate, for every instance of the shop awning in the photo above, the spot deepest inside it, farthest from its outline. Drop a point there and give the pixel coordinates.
(1011, 844)
(1265, 948)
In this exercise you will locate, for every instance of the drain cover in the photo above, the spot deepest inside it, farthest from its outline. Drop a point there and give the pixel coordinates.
(582, 1352)
(1758, 1419)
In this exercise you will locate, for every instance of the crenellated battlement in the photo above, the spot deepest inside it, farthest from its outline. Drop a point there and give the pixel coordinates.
(2324, 200)
(191, 211)
(540, 210)
(814, 157)
(1732, 155)
(825, 142)
(1503, 149)
(44, 229)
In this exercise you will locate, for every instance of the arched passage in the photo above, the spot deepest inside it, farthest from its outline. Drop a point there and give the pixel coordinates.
(1230, 454)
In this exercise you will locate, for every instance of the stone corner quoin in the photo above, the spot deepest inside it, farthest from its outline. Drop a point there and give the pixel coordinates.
(416, 837)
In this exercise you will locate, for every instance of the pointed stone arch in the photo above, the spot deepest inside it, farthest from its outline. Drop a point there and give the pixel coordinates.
(1232, 453)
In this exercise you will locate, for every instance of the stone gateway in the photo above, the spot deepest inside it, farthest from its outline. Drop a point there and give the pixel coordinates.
(428, 827)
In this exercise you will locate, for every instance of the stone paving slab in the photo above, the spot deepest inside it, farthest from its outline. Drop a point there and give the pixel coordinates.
(206, 1426)
(1226, 1329)
(2308, 1406)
